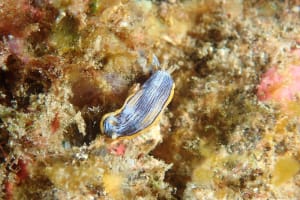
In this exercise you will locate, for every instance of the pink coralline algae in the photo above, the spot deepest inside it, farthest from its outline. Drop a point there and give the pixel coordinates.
(280, 86)
(118, 149)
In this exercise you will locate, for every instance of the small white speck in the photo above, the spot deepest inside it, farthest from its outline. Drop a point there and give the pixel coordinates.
(124, 24)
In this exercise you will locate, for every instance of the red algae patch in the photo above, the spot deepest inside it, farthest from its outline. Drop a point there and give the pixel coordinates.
(270, 82)
(281, 87)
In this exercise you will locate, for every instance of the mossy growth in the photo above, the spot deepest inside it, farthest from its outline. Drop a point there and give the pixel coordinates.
(75, 177)
(112, 184)
(61, 3)
(94, 6)
(65, 35)
(203, 174)
(285, 168)
(293, 108)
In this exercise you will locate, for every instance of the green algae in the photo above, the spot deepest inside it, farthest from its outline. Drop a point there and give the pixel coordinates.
(94, 6)
(65, 36)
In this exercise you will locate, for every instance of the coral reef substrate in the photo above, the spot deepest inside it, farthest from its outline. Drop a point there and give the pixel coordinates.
(231, 131)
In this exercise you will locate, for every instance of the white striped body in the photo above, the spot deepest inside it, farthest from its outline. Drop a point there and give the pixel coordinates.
(142, 109)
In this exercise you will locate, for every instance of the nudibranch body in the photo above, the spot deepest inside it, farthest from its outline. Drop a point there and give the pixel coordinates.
(142, 109)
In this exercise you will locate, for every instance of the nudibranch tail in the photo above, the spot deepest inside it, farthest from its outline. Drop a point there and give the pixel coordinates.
(141, 109)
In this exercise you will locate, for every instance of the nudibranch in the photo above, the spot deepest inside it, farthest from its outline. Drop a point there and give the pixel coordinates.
(142, 109)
